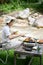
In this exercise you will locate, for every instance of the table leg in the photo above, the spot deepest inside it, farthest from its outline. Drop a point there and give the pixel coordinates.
(14, 59)
(40, 61)
(31, 60)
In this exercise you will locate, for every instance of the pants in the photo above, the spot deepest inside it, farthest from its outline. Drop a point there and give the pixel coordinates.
(12, 44)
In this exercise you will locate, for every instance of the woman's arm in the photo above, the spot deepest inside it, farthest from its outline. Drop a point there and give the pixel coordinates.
(13, 36)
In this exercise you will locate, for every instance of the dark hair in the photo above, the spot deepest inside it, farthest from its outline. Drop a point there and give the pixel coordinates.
(6, 23)
(10, 21)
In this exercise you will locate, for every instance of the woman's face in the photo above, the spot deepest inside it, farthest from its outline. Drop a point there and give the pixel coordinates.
(11, 23)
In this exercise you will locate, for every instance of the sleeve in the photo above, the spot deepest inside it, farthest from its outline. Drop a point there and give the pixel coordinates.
(7, 31)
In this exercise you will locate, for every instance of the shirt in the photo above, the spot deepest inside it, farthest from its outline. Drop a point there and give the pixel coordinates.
(5, 34)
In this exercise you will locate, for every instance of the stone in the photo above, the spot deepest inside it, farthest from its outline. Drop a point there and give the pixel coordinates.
(21, 23)
(24, 14)
(1, 19)
(14, 14)
(35, 14)
(31, 20)
(39, 21)
(1, 22)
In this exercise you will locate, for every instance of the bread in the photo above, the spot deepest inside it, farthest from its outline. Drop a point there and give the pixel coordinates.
(41, 41)
(29, 40)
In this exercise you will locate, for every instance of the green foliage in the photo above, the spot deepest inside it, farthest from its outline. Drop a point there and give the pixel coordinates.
(36, 60)
(40, 8)
(33, 1)
(7, 1)
(10, 5)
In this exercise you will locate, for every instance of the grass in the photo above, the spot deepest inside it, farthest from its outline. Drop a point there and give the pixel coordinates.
(10, 58)
(9, 7)
(19, 61)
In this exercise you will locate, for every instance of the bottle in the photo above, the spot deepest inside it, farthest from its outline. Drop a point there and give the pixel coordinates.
(38, 48)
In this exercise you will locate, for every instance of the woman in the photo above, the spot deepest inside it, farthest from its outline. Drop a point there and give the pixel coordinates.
(7, 36)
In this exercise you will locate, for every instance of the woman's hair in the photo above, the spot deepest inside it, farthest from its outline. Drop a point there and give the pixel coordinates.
(10, 22)
(6, 23)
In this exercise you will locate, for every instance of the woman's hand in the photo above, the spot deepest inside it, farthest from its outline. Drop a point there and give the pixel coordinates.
(15, 33)
(22, 35)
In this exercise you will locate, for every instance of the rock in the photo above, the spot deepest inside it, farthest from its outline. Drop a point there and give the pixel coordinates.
(38, 34)
(14, 14)
(35, 14)
(1, 22)
(1, 19)
(24, 14)
(40, 15)
(31, 20)
(36, 20)
(21, 14)
(39, 21)
(21, 23)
